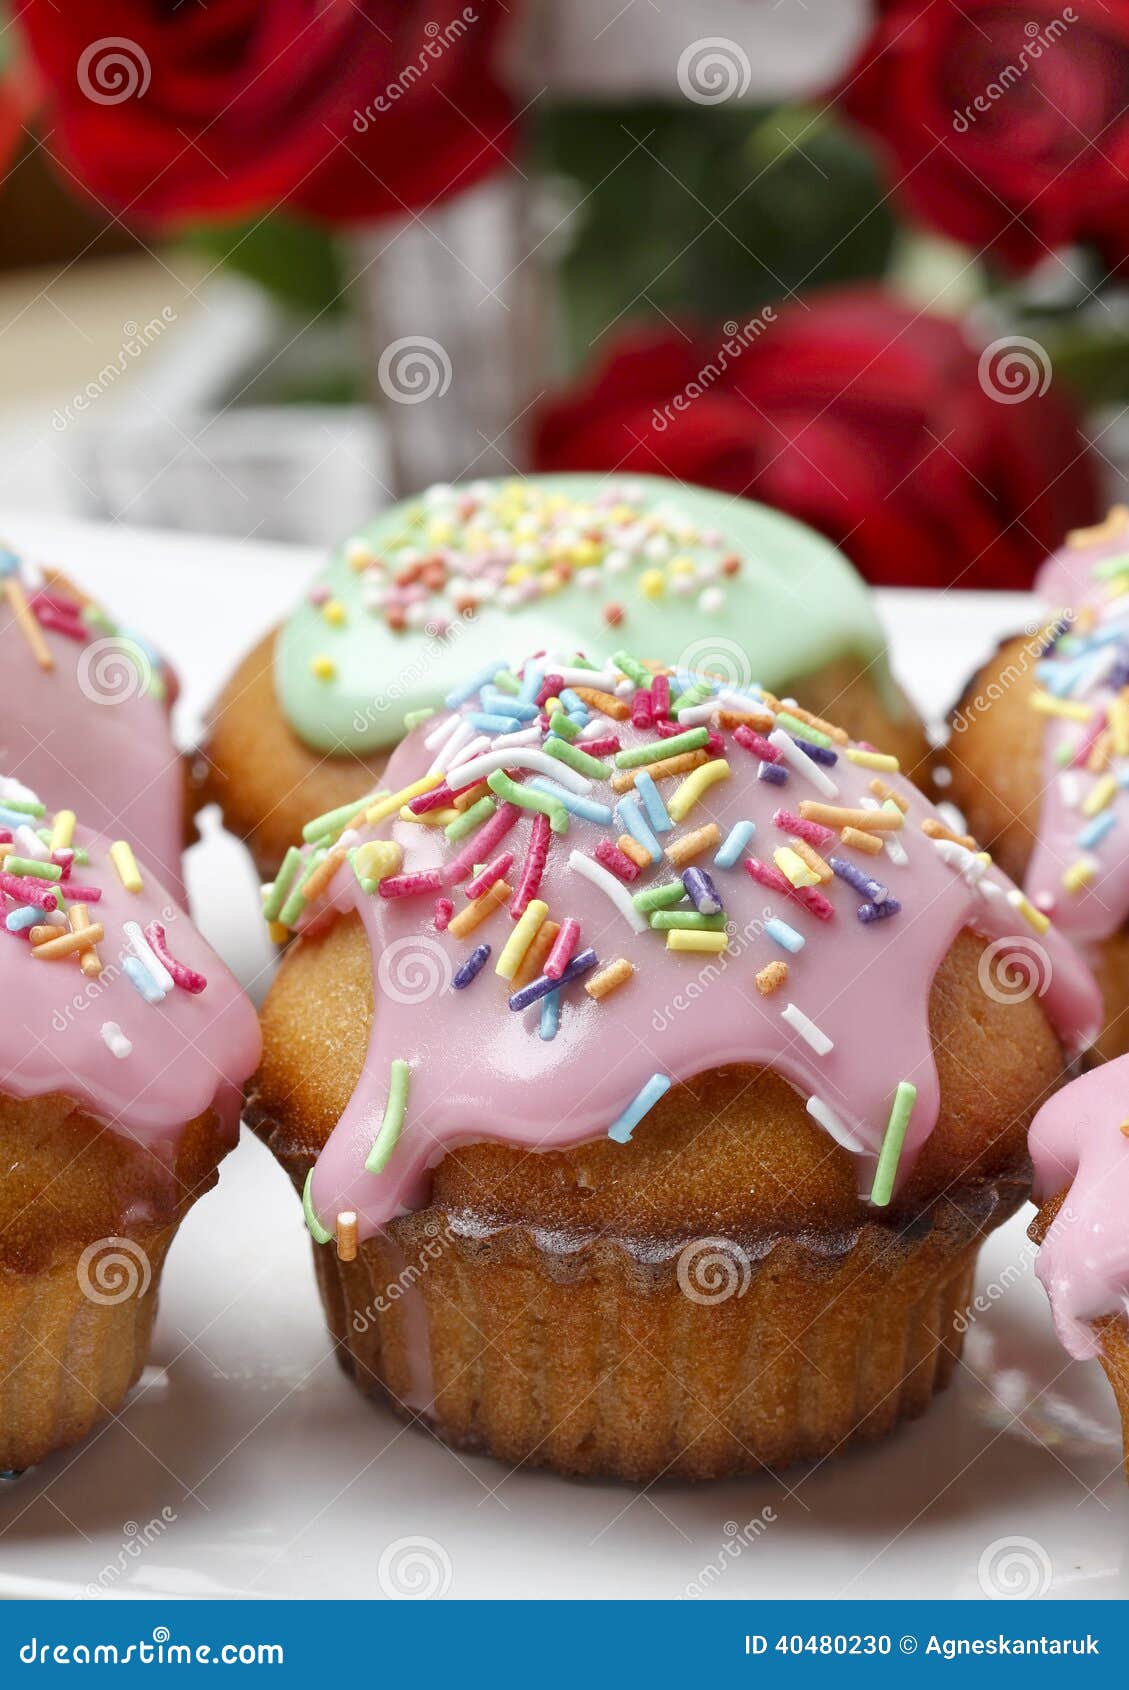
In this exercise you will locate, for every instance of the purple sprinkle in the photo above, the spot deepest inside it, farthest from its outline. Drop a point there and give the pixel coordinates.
(817, 753)
(878, 912)
(864, 884)
(472, 967)
(701, 891)
(539, 988)
(775, 773)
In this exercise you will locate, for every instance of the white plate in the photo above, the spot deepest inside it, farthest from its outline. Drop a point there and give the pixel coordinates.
(244, 1463)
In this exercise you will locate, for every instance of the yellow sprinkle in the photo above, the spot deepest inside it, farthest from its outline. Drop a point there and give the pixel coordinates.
(431, 818)
(278, 933)
(793, 867)
(1119, 725)
(388, 806)
(652, 584)
(334, 612)
(684, 797)
(1034, 918)
(323, 667)
(520, 939)
(1071, 708)
(378, 858)
(123, 859)
(62, 833)
(1099, 795)
(823, 871)
(690, 939)
(616, 974)
(873, 759)
(1079, 874)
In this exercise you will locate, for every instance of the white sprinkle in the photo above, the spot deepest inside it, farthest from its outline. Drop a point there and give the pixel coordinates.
(465, 774)
(1070, 788)
(29, 844)
(697, 714)
(600, 680)
(610, 887)
(802, 763)
(148, 957)
(524, 736)
(830, 1122)
(115, 1040)
(967, 864)
(951, 816)
(807, 1030)
(439, 736)
(896, 851)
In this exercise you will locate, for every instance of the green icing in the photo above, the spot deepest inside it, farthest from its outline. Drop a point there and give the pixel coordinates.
(795, 604)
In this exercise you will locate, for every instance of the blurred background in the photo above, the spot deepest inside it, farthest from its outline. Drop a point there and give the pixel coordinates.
(267, 264)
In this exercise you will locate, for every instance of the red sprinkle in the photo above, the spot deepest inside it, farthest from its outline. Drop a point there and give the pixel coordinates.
(600, 747)
(433, 800)
(28, 891)
(481, 843)
(186, 978)
(550, 688)
(410, 885)
(613, 858)
(765, 875)
(83, 894)
(563, 946)
(642, 710)
(660, 697)
(755, 743)
(812, 833)
(814, 902)
(444, 910)
(492, 872)
(613, 615)
(533, 867)
(60, 621)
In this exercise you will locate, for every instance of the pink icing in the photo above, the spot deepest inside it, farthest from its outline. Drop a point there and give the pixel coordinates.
(92, 739)
(189, 1052)
(1076, 1142)
(481, 1071)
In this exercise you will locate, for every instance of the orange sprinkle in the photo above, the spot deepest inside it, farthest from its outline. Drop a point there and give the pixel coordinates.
(347, 1236)
(464, 800)
(66, 944)
(616, 974)
(624, 779)
(632, 848)
(882, 789)
(771, 977)
(323, 874)
(478, 909)
(28, 626)
(1114, 524)
(533, 962)
(90, 962)
(860, 840)
(836, 816)
(813, 860)
(692, 845)
(605, 702)
(937, 830)
(761, 721)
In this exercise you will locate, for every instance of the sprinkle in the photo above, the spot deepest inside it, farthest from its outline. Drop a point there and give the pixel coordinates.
(277, 894)
(477, 911)
(1079, 874)
(497, 870)
(624, 1125)
(19, 920)
(808, 1031)
(550, 1015)
(574, 758)
(416, 718)
(1033, 917)
(444, 910)
(772, 774)
(611, 888)
(392, 1125)
(527, 798)
(394, 801)
(518, 757)
(411, 885)
(802, 730)
(121, 855)
(662, 921)
(756, 744)
(587, 808)
(322, 667)
(632, 668)
(661, 750)
(863, 883)
(692, 845)
(878, 911)
(830, 1122)
(835, 816)
(68, 943)
(802, 764)
(617, 861)
(882, 789)
(27, 624)
(1071, 709)
(470, 819)
(336, 821)
(532, 964)
(653, 804)
(638, 854)
(701, 891)
(534, 865)
(625, 779)
(346, 1233)
(810, 832)
(148, 958)
(117, 1043)
(736, 840)
(892, 1141)
(682, 801)
(140, 978)
(562, 726)
(563, 947)
(896, 853)
(78, 919)
(609, 978)
(632, 820)
(376, 859)
(62, 831)
(187, 979)
(322, 872)
(467, 688)
(818, 866)
(605, 702)
(471, 968)
(660, 897)
(479, 848)
(28, 891)
(317, 1232)
(793, 867)
(1099, 795)
(934, 829)
(540, 987)
(838, 736)
(784, 935)
(33, 867)
(520, 939)
(771, 977)
(872, 759)
(861, 841)
(694, 939)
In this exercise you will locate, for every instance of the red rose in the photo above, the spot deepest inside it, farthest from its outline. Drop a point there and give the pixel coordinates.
(1006, 124)
(872, 422)
(345, 109)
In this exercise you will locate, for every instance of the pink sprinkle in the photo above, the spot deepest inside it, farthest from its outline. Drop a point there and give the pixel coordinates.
(481, 844)
(444, 910)
(410, 885)
(491, 873)
(660, 697)
(601, 747)
(756, 744)
(83, 894)
(318, 594)
(5, 836)
(550, 688)
(642, 713)
(1089, 740)
(186, 978)
(435, 799)
(61, 621)
(533, 867)
(765, 875)
(715, 745)
(64, 860)
(814, 902)
(667, 730)
(28, 891)
(812, 833)
(613, 858)
(563, 946)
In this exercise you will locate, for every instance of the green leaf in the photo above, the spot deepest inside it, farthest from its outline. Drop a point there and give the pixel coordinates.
(296, 261)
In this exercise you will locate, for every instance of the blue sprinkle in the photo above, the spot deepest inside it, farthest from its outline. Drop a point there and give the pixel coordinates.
(622, 1128)
(701, 891)
(539, 988)
(878, 912)
(16, 818)
(575, 706)
(738, 837)
(140, 977)
(472, 967)
(652, 802)
(550, 1014)
(784, 935)
(817, 753)
(588, 808)
(633, 821)
(474, 683)
(9, 562)
(18, 921)
(862, 883)
(1096, 829)
(532, 678)
(490, 724)
(505, 704)
(774, 773)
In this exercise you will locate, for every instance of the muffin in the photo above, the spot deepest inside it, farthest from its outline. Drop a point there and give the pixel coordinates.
(1039, 757)
(773, 1032)
(84, 709)
(436, 586)
(1080, 1150)
(124, 1047)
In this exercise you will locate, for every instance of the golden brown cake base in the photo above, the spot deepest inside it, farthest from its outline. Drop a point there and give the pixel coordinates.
(268, 782)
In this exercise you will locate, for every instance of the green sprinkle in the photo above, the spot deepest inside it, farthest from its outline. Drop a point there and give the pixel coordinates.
(577, 759)
(334, 822)
(25, 806)
(695, 694)
(581, 662)
(659, 897)
(527, 799)
(895, 1136)
(653, 753)
(81, 856)
(416, 718)
(33, 866)
(296, 902)
(157, 688)
(506, 681)
(1111, 566)
(793, 725)
(393, 1123)
(632, 668)
(284, 879)
(317, 1231)
(94, 617)
(664, 919)
(563, 725)
(1064, 754)
(470, 819)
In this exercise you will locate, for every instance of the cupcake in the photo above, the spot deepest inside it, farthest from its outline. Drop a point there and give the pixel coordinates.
(1039, 757)
(84, 708)
(775, 1034)
(1080, 1150)
(124, 1045)
(437, 586)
